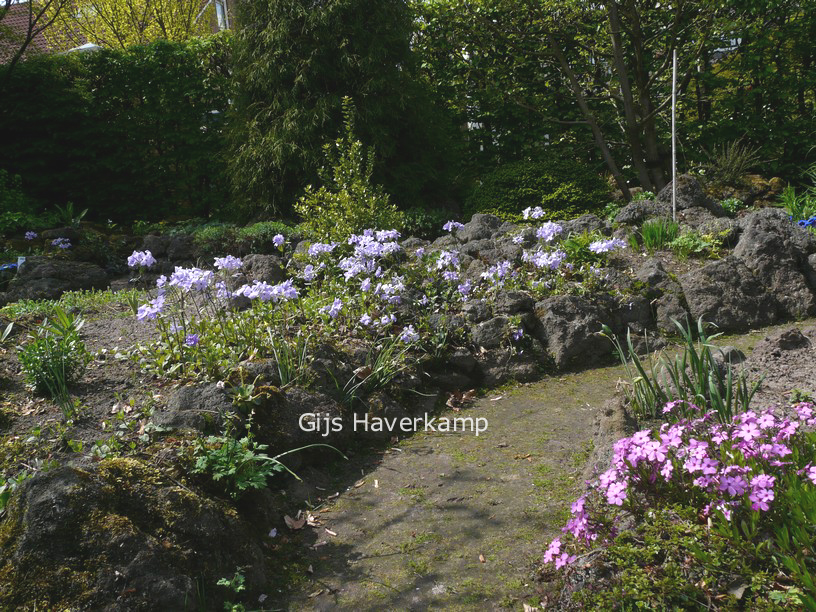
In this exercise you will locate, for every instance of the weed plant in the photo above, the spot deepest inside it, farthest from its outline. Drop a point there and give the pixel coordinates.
(692, 377)
(241, 464)
(657, 234)
(56, 358)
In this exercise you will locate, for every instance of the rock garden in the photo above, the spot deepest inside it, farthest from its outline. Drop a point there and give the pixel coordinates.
(148, 418)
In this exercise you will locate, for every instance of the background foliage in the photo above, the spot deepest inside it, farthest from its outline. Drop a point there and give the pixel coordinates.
(133, 133)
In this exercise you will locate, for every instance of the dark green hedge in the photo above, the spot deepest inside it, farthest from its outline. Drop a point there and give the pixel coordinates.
(133, 134)
(563, 187)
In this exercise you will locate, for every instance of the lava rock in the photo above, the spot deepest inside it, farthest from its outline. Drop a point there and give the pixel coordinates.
(728, 294)
(690, 194)
(569, 328)
(46, 278)
(480, 227)
(266, 268)
(490, 333)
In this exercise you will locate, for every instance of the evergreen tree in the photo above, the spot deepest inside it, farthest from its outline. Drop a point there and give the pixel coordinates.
(295, 62)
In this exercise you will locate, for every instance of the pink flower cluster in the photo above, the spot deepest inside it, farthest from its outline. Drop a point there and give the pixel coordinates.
(735, 466)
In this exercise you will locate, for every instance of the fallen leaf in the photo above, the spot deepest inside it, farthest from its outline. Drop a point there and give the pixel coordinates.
(363, 372)
(481, 558)
(316, 593)
(333, 495)
(359, 483)
(311, 521)
(376, 484)
(310, 569)
(294, 524)
(330, 532)
(528, 608)
(496, 399)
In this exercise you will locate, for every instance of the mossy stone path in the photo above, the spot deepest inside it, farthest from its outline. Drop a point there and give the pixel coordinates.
(453, 520)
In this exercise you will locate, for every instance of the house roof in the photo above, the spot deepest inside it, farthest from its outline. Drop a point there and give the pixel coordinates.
(14, 30)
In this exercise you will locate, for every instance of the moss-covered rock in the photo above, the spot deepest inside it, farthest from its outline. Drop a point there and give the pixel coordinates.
(120, 536)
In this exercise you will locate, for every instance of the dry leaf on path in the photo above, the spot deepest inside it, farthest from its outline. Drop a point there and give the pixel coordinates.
(294, 524)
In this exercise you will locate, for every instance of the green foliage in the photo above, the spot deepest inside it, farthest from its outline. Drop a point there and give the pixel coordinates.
(83, 300)
(6, 333)
(732, 206)
(347, 202)
(218, 239)
(8, 486)
(293, 67)
(123, 133)
(241, 464)
(424, 223)
(16, 210)
(729, 163)
(693, 375)
(66, 216)
(576, 246)
(802, 205)
(56, 358)
(657, 234)
(643, 195)
(237, 586)
(291, 358)
(563, 188)
(693, 243)
(672, 562)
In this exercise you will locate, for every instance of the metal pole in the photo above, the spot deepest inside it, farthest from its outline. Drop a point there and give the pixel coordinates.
(674, 135)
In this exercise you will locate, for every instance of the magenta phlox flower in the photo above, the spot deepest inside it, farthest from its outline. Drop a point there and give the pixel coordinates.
(806, 412)
(616, 493)
(553, 550)
(733, 485)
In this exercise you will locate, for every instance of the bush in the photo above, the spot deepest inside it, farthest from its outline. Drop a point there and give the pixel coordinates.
(347, 203)
(424, 223)
(16, 211)
(563, 188)
(125, 133)
(215, 239)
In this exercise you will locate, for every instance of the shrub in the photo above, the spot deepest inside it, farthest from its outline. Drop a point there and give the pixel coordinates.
(424, 223)
(732, 206)
(347, 203)
(563, 188)
(122, 132)
(16, 211)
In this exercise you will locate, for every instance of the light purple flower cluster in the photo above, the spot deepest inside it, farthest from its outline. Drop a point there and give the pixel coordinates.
(62, 243)
(334, 308)
(30, 235)
(152, 309)
(551, 260)
(369, 248)
(189, 279)
(452, 226)
(390, 291)
(409, 335)
(191, 340)
(141, 259)
(260, 290)
(278, 240)
(230, 262)
(498, 273)
(731, 466)
(604, 246)
(547, 231)
(319, 248)
(533, 213)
